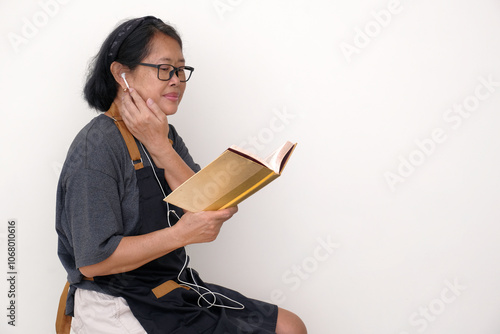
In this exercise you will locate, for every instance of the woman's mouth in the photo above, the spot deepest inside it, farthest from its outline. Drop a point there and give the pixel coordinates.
(172, 96)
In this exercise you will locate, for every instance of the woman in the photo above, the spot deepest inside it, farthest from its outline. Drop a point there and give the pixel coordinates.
(121, 244)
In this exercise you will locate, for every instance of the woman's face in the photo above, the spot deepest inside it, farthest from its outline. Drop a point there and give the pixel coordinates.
(144, 79)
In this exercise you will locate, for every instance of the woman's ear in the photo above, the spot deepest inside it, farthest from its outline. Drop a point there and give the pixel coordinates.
(117, 70)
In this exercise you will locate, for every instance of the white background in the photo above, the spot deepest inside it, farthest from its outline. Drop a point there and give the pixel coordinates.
(397, 247)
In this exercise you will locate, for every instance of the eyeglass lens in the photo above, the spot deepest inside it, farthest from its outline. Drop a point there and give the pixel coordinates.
(165, 72)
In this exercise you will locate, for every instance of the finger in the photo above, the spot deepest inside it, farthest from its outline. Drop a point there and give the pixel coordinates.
(136, 109)
(232, 210)
(138, 100)
(155, 109)
(227, 213)
(129, 109)
(145, 106)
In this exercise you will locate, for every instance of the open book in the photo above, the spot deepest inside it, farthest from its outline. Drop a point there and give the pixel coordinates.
(229, 179)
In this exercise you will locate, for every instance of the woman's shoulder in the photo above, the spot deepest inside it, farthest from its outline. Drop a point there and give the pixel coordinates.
(101, 130)
(97, 143)
(100, 126)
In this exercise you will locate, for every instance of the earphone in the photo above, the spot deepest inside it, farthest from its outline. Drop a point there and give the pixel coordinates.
(126, 83)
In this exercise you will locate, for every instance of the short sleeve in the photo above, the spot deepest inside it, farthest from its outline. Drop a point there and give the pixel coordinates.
(92, 203)
(93, 216)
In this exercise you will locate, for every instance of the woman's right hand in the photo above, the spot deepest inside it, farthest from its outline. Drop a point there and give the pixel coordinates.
(145, 120)
(204, 226)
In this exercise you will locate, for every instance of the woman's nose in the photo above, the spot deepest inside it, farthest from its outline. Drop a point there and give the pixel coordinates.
(174, 80)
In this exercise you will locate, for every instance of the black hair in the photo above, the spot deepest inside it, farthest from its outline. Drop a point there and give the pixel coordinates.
(128, 44)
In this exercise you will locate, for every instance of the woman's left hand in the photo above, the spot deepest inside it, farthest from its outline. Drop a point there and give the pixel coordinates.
(145, 120)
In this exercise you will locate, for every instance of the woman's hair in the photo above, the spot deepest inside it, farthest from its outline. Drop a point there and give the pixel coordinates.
(128, 44)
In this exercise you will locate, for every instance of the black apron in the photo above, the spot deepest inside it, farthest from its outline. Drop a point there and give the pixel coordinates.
(178, 311)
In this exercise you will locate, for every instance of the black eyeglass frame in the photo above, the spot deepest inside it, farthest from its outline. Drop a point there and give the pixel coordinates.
(171, 74)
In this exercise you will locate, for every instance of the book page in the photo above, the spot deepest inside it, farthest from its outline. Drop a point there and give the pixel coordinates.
(249, 156)
(275, 159)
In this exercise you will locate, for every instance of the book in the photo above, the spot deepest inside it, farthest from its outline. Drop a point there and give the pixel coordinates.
(231, 178)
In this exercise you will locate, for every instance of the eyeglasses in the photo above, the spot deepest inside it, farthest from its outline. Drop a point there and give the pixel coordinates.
(166, 71)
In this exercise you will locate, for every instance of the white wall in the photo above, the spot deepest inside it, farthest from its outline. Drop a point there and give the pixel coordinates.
(396, 171)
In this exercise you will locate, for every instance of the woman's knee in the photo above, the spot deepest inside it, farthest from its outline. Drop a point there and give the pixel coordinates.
(289, 323)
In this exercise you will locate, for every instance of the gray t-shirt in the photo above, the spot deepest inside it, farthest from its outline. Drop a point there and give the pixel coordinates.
(98, 197)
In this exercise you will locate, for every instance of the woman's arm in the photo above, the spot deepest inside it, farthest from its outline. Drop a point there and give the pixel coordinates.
(135, 251)
(176, 170)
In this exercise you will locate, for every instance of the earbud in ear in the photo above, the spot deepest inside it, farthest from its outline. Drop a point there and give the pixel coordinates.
(126, 83)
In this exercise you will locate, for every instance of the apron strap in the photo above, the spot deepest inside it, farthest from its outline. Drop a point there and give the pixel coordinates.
(63, 321)
(164, 288)
(133, 150)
